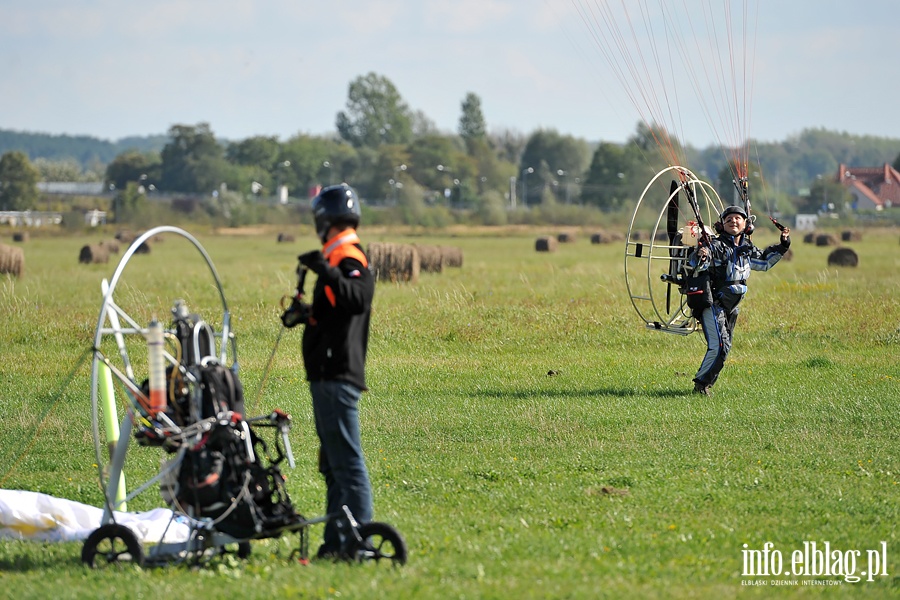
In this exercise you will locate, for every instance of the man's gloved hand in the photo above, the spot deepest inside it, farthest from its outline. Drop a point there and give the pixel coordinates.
(703, 253)
(314, 261)
(297, 313)
(786, 238)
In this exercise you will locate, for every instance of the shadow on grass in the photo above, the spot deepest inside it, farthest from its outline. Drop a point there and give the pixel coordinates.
(615, 392)
(36, 560)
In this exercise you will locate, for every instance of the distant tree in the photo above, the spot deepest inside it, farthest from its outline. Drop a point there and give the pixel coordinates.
(657, 145)
(375, 115)
(129, 202)
(389, 172)
(611, 178)
(552, 156)
(472, 127)
(258, 151)
(132, 166)
(59, 170)
(429, 152)
(18, 182)
(422, 125)
(193, 161)
(509, 145)
(493, 173)
(896, 163)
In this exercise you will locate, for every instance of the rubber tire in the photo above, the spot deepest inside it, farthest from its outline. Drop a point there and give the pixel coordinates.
(116, 535)
(244, 550)
(381, 541)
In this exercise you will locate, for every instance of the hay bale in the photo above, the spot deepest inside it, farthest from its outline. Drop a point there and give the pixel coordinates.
(92, 254)
(284, 238)
(565, 238)
(112, 246)
(545, 244)
(851, 236)
(12, 261)
(125, 236)
(144, 248)
(452, 256)
(843, 257)
(394, 262)
(810, 238)
(431, 259)
(789, 255)
(827, 239)
(20, 236)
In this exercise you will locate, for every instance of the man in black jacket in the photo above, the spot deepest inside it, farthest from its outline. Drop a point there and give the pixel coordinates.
(334, 353)
(728, 260)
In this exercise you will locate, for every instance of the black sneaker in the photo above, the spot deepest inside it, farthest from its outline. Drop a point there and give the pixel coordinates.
(330, 554)
(702, 388)
(327, 553)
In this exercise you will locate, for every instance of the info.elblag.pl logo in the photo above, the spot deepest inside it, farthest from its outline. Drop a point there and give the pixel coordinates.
(814, 560)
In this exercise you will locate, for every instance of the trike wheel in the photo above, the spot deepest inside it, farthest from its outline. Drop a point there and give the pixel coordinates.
(110, 544)
(380, 542)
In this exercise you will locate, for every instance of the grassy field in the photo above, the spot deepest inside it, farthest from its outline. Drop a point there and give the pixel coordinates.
(605, 479)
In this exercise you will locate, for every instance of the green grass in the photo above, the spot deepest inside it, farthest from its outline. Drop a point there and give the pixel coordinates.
(497, 473)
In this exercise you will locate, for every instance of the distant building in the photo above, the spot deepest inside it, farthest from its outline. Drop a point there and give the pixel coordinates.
(804, 222)
(872, 187)
(75, 188)
(95, 217)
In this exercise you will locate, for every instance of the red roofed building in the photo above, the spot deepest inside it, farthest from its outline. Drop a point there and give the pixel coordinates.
(872, 187)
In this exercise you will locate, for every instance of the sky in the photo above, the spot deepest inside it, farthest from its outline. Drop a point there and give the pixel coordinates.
(113, 69)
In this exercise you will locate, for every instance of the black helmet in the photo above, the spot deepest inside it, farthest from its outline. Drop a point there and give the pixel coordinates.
(732, 210)
(335, 205)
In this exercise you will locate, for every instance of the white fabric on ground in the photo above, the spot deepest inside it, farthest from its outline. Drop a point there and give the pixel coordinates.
(35, 516)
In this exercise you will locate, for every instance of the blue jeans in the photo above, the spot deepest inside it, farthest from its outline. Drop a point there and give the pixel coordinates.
(718, 328)
(341, 459)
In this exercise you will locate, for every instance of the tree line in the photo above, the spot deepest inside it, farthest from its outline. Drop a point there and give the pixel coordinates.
(397, 157)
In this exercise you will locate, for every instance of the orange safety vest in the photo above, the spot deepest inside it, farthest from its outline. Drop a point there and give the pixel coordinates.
(337, 249)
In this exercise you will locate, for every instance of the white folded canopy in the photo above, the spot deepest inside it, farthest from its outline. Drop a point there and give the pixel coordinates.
(34, 516)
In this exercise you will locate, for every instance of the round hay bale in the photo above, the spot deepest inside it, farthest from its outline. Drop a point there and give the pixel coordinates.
(431, 259)
(827, 239)
(452, 256)
(144, 248)
(565, 238)
(20, 236)
(843, 257)
(12, 261)
(809, 238)
(112, 246)
(394, 262)
(125, 236)
(284, 238)
(601, 237)
(661, 236)
(545, 244)
(789, 255)
(92, 254)
(851, 236)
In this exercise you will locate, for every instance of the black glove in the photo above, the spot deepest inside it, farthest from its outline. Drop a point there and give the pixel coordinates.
(314, 261)
(786, 242)
(298, 312)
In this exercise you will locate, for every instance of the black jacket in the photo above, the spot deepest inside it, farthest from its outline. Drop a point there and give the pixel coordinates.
(337, 335)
